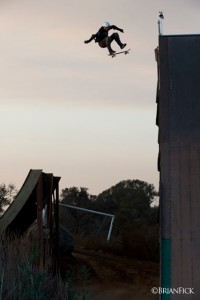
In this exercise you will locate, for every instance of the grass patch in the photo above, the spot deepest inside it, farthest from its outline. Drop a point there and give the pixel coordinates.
(139, 241)
(21, 278)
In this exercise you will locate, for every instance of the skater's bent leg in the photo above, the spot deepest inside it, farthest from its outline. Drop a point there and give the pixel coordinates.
(115, 36)
(108, 45)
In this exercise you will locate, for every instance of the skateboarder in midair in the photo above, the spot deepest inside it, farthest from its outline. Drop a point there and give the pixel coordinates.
(102, 38)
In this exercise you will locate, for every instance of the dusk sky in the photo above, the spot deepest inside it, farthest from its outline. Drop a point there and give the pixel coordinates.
(70, 109)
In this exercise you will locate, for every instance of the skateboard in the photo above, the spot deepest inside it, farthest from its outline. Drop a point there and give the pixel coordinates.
(114, 54)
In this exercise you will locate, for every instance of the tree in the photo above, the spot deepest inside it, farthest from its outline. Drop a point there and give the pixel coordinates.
(74, 220)
(129, 200)
(7, 194)
(76, 196)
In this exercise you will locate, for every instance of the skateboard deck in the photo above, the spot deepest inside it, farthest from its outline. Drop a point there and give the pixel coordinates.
(114, 54)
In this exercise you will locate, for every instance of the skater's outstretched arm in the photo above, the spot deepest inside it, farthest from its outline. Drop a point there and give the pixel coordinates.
(92, 38)
(116, 28)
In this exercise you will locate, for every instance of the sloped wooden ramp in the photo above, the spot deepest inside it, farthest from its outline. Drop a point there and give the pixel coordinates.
(37, 191)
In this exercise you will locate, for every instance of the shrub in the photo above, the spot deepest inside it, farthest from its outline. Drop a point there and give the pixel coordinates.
(141, 241)
(22, 279)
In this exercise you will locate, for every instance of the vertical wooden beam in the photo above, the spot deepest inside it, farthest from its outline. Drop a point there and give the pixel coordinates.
(39, 199)
(56, 212)
(49, 211)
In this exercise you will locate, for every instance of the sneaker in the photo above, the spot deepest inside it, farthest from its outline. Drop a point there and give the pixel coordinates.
(123, 46)
(112, 52)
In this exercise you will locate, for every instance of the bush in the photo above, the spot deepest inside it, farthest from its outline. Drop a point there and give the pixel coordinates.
(22, 279)
(141, 241)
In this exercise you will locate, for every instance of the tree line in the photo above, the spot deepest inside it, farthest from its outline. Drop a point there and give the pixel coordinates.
(129, 200)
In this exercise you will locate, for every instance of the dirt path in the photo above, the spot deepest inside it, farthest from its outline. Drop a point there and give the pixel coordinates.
(116, 278)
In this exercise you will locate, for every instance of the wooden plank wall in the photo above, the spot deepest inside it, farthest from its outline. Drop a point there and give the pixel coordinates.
(179, 139)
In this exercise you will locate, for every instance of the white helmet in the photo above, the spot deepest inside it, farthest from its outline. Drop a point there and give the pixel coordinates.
(106, 24)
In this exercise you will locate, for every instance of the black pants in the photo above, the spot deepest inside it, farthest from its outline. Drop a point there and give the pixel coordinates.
(106, 42)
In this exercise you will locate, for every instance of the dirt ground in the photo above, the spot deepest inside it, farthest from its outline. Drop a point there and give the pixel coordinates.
(116, 278)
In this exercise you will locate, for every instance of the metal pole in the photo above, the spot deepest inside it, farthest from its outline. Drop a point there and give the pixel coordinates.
(87, 210)
(110, 229)
(94, 212)
(159, 28)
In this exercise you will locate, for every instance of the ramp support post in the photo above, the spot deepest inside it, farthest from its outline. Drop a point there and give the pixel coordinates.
(39, 199)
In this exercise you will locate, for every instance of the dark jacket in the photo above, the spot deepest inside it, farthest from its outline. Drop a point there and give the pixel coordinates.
(102, 34)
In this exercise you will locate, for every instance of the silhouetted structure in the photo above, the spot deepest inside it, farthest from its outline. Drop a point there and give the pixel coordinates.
(178, 118)
(39, 191)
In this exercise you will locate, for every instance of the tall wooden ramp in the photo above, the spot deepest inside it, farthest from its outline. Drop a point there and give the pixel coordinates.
(39, 190)
(179, 163)
(22, 212)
